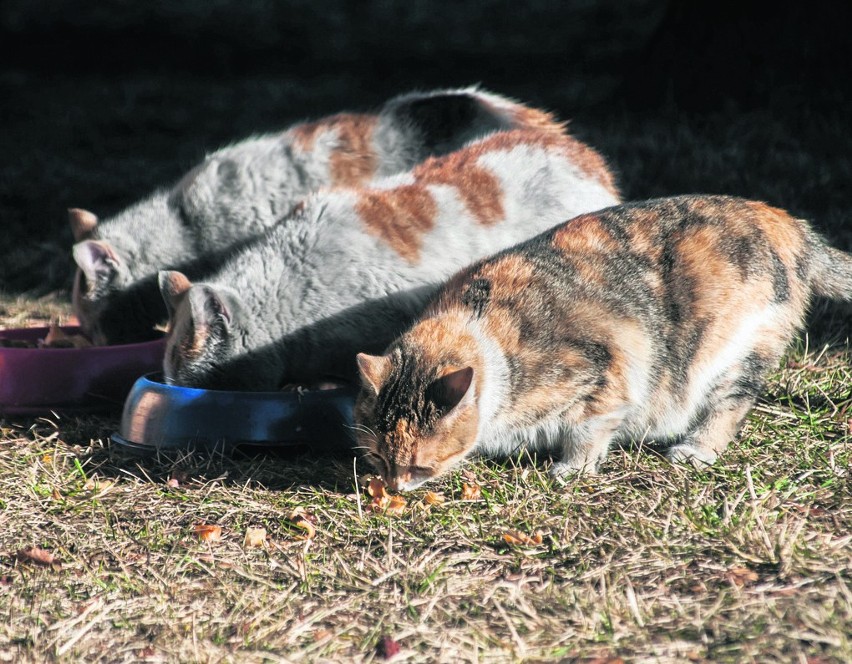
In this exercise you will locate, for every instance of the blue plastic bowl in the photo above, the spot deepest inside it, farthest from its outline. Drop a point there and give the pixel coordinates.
(158, 416)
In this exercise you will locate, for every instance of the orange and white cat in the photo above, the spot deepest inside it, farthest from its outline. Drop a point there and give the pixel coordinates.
(241, 190)
(358, 264)
(657, 320)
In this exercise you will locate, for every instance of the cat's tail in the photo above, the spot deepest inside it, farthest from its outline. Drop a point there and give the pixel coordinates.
(831, 271)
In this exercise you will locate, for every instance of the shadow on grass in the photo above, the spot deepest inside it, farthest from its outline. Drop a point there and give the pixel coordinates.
(272, 468)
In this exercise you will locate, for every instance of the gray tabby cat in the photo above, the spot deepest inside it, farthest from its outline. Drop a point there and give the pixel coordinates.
(359, 263)
(241, 190)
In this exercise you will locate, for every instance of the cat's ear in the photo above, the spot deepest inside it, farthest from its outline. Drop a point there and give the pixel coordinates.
(173, 288)
(374, 370)
(83, 223)
(98, 262)
(209, 307)
(451, 390)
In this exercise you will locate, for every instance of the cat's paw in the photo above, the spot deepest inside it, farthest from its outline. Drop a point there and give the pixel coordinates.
(691, 455)
(564, 471)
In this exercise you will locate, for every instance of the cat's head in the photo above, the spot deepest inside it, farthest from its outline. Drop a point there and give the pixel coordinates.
(100, 272)
(414, 416)
(203, 321)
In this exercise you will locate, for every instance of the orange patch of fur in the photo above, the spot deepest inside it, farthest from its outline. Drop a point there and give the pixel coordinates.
(584, 234)
(436, 334)
(590, 162)
(785, 233)
(353, 160)
(479, 189)
(398, 216)
(533, 118)
(508, 275)
(629, 343)
(190, 338)
(722, 297)
(642, 234)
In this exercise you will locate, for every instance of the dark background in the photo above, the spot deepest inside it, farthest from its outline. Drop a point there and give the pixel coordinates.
(100, 102)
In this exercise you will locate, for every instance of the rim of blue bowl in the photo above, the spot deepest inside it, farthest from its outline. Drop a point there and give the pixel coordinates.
(154, 381)
(150, 378)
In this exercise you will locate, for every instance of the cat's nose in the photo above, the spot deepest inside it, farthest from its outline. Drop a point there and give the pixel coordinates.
(408, 478)
(399, 481)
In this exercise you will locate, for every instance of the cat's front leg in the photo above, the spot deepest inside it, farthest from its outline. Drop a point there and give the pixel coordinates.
(586, 445)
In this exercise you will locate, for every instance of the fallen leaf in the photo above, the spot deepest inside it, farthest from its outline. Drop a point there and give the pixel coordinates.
(322, 633)
(303, 519)
(255, 538)
(471, 491)
(387, 647)
(208, 533)
(396, 505)
(433, 498)
(376, 488)
(393, 505)
(381, 498)
(301, 513)
(308, 527)
(741, 576)
(517, 538)
(100, 487)
(212, 560)
(147, 652)
(785, 592)
(37, 556)
(104, 487)
(55, 494)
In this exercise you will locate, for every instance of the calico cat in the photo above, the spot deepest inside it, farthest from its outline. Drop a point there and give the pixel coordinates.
(359, 263)
(657, 320)
(241, 190)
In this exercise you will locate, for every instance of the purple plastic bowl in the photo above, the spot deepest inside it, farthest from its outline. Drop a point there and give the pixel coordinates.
(70, 380)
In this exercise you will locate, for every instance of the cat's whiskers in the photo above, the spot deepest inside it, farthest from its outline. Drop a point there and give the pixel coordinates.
(361, 428)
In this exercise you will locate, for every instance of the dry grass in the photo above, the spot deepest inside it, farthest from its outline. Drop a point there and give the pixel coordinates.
(748, 561)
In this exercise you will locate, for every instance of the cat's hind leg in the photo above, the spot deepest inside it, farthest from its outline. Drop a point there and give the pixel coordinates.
(725, 408)
(712, 433)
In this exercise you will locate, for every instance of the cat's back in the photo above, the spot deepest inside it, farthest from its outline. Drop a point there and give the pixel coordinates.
(519, 155)
(416, 125)
(676, 265)
(490, 194)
